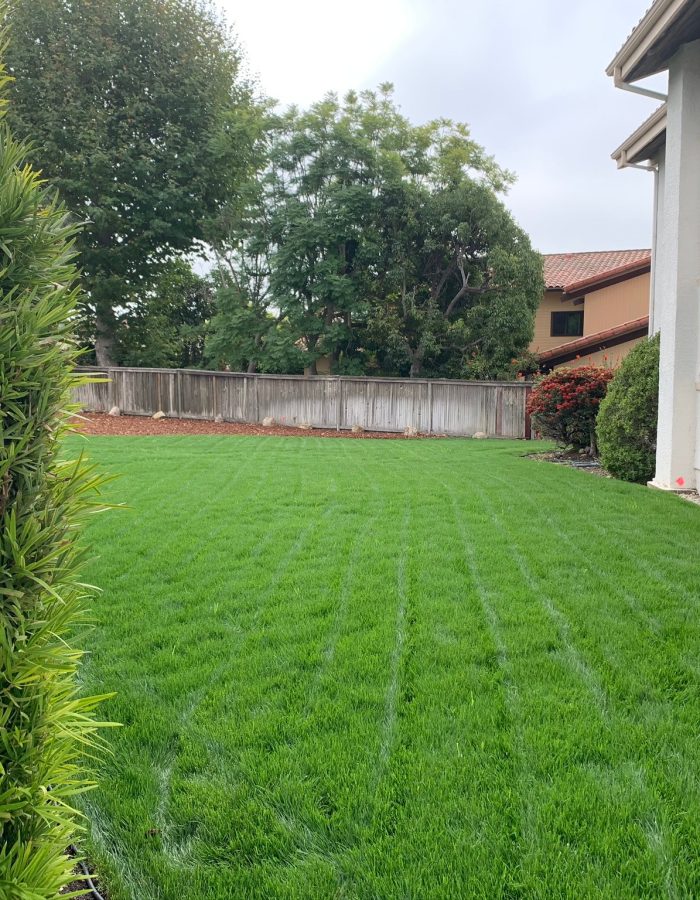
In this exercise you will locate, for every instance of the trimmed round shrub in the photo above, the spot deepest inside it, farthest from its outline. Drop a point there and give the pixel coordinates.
(626, 425)
(564, 405)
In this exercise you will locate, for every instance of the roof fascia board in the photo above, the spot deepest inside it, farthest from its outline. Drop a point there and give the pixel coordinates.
(644, 36)
(632, 148)
(598, 282)
(594, 342)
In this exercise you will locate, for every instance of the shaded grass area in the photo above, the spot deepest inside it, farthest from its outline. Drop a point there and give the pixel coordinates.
(392, 670)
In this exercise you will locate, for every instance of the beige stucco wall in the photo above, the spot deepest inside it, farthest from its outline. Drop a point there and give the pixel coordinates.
(609, 358)
(616, 304)
(602, 309)
(551, 302)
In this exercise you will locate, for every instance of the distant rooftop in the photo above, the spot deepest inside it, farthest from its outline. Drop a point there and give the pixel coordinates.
(570, 272)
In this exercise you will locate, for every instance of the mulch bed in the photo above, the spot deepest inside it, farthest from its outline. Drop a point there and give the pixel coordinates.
(81, 884)
(589, 464)
(142, 426)
(574, 460)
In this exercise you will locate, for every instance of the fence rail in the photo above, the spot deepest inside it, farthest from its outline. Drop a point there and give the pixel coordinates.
(377, 404)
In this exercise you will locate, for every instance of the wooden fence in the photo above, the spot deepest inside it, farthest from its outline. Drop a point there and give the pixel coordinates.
(431, 406)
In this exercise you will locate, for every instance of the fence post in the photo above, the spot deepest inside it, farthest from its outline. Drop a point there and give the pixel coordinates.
(178, 392)
(112, 393)
(528, 422)
(338, 402)
(499, 411)
(256, 399)
(214, 394)
(430, 407)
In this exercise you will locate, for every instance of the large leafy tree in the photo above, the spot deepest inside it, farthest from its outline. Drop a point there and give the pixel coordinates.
(138, 113)
(165, 325)
(247, 332)
(459, 282)
(383, 245)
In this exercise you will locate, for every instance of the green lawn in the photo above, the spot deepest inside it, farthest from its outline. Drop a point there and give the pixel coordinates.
(392, 669)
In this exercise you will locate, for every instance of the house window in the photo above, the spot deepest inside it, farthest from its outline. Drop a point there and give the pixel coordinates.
(567, 324)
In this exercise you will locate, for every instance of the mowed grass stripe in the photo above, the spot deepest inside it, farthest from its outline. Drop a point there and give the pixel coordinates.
(627, 653)
(649, 808)
(355, 688)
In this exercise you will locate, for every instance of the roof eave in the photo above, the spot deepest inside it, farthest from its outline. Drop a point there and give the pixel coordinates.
(597, 282)
(644, 143)
(602, 340)
(629, 63)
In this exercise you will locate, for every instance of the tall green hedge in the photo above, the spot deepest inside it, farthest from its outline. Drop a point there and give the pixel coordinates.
(44, 725)
(626, 423)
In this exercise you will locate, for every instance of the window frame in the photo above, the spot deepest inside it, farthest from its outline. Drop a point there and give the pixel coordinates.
(568, 313)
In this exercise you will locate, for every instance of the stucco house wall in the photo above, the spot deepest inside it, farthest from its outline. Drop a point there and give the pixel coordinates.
(609, 358)
(616, 304)
(667, 39)
(603, 309)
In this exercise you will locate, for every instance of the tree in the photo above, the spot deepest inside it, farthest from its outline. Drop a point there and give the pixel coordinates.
(384, 245)
(165, 326)
(459, 282)
(247, 333)
(138, 113)
(44, 723)
(320, 190)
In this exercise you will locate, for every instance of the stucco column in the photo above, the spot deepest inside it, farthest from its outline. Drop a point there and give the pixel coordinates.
(677, 285)
(656, 245)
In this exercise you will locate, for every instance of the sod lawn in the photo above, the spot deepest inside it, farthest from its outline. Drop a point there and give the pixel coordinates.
(391, 669)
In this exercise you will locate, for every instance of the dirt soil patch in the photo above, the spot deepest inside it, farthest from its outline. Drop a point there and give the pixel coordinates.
(81, 882)
(102, 424)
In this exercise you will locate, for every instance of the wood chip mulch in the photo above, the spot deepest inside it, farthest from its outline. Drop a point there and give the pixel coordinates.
(140, 426)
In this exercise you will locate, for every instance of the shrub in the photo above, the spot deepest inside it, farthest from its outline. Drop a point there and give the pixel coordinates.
(564, 405)
(44, 724)
(626, 424)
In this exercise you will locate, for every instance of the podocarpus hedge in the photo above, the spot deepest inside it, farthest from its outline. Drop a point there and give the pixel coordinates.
(44, 724)
(626, 425)
(564, 405)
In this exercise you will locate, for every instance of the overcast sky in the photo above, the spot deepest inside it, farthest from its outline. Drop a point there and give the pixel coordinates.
(528, 77)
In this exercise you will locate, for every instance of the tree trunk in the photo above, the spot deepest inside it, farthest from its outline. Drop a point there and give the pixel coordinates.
(105, 326)
(251, 366)
(416, 363)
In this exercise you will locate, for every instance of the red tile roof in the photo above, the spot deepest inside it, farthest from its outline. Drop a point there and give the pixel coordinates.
(573, 271)
(598, 341)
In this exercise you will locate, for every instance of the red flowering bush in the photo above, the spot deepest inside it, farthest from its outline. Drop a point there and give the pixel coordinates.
(564, 405)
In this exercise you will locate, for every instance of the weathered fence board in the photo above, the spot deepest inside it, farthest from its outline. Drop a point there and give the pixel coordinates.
(377, 404)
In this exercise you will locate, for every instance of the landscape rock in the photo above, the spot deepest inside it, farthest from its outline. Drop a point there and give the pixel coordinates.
(268, 422)
(219, 419)
(356, 429)
(480, 435)
(115, 411)
(305, 426)
(159, 415)
(410, 431)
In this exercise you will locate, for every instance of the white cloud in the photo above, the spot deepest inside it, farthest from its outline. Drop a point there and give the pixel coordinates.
(304, 49)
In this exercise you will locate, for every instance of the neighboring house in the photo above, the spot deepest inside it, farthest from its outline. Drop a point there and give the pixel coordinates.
(595, 307)
(667, 39)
